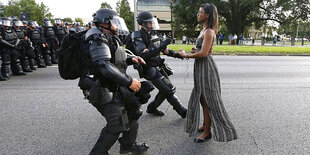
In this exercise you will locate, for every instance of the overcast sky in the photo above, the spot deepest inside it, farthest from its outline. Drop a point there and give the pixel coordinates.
(75, 8)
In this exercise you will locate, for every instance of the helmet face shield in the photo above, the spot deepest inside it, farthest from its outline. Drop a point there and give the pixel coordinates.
(155, 24)
(48, 23)
(119, 23)
(17, 23)
(33, 24)
(57, 21)
(6, 23)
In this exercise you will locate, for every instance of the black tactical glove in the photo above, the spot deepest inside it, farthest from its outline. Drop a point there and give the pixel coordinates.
(165, 43)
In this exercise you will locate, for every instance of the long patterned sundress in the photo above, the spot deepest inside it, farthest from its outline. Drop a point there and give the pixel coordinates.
(207, 83)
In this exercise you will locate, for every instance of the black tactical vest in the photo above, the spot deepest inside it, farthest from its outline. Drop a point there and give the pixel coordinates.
(49, 33)
(60, 31)
(20, 34)
(9, 36)
(35, 35)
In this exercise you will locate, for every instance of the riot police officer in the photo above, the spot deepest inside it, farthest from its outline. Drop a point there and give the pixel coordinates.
(113, 84)
(30, 54)
(22, 49)
(34, 35)
(59, 30)
(77, 27)
(10, 56)
(147, 45)
(51, 40)
(1, 76)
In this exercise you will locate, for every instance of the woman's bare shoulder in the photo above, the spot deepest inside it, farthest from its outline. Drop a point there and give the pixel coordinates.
(209, 32)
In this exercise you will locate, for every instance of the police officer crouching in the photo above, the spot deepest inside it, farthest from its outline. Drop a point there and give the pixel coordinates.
(147, 45)
(111, 86)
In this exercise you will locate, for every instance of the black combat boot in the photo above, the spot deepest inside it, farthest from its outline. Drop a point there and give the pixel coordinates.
(25, 65)
(47, 60)
(152, 107)
(1, 77)
(31, 64)
(177, 106)
(54, 58)
(16, 67)
(134, 148)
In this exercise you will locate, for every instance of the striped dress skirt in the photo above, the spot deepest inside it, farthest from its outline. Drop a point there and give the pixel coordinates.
(207, 84)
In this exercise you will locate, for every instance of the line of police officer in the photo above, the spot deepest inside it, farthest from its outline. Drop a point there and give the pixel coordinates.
(25, 45)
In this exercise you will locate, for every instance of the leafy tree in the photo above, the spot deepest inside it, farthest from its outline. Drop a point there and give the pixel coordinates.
(2, 9)
(240, 14)
(123, 8)
(106, 5)
(79, 20)
(32, 10)
(68, 19)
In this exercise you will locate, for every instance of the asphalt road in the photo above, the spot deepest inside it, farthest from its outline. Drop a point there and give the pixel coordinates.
(267, 99)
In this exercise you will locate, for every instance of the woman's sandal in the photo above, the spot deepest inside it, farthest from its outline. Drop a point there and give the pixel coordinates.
(201, 140)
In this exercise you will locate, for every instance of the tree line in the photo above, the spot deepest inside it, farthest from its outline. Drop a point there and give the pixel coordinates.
(237, 16)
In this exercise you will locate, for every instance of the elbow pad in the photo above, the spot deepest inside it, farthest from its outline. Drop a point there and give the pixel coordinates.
(108, 70)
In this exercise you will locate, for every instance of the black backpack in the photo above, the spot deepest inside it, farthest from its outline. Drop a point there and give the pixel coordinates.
(71, 56)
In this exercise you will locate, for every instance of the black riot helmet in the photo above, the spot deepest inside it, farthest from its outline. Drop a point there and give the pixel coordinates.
(6, 22)
(17, 23)
(33, 24)
(111, 18)
(47, 22)
(146, 16)
(58, 21)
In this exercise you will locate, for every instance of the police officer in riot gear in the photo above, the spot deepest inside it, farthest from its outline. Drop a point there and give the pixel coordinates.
(147, 45)
(1, 76)
(10, 56)
(30, 54)
(51, 40)
(115, 87)
(59, 30)
(22, 48)
(36, 39)
(77, 27)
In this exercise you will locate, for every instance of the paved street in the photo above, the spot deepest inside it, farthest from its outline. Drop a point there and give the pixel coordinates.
(267, 99)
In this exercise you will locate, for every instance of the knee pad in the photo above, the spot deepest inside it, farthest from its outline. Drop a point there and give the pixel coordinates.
(164, 86)
(117, 121)
(138, 113)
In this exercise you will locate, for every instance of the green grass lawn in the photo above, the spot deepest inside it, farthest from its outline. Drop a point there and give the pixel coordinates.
(249, 49)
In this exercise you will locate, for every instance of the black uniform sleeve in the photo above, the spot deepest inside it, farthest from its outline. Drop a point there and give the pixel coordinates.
(151, 52)
(42, 33)
(174, 54)
(100, 56)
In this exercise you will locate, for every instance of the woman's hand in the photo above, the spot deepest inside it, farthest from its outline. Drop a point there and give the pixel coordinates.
(194, 50)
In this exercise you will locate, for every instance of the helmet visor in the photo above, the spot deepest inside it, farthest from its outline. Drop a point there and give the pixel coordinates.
(57, 21)
(18, 23)
(48, 23)
(119, 23)
(6, 23)
(33, 23)
(155, 24)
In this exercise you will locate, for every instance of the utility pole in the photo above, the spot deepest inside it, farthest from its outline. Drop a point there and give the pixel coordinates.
(135, 14)
(172, 31)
